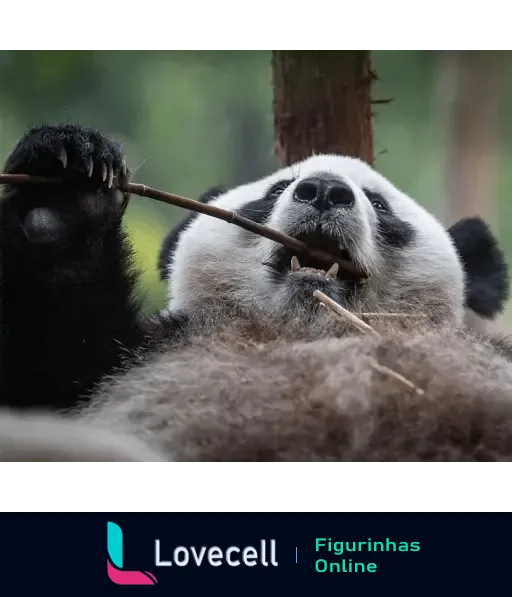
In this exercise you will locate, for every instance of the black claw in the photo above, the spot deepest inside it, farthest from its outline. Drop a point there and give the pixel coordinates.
(80, 152)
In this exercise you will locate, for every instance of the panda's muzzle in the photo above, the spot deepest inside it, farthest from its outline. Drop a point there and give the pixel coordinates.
(285, 261)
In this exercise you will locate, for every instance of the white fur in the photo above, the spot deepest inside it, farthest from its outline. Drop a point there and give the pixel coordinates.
(39, 437)
(215, 260)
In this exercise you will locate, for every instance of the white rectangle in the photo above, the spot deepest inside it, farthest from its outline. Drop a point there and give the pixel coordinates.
(432, 493)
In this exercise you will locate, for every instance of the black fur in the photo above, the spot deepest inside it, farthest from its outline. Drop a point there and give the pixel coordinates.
(171, 240)
(392, 231)
(69, 315)
(259, 210)
(486, 269)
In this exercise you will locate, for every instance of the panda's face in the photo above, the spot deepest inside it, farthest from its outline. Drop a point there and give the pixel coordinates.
(331, 202)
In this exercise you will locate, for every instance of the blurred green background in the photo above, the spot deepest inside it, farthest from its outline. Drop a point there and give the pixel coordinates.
(191, 120)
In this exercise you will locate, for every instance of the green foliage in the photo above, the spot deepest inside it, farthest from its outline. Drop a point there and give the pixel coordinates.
(191, 120)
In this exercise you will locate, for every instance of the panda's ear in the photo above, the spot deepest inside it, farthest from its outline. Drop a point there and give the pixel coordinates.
(487, 284)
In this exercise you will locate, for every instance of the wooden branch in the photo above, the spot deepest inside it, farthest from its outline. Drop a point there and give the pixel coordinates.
(392, 373)
(322, 103)
(27, 179)
(397, 315)
(342, 313)
(231, 217)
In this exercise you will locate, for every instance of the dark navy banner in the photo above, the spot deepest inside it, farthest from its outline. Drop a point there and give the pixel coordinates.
(255, 554)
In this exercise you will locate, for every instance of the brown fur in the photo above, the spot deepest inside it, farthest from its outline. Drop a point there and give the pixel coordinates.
(263, 390)
(247, 387)
(260, 389)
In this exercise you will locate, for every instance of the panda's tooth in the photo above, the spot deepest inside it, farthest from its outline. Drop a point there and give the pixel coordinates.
(333, 270)
(103, 172)
(295, 265)
(90, 167)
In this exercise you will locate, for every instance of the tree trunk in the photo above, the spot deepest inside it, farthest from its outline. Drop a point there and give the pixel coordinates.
(473, 121)
(322, 103)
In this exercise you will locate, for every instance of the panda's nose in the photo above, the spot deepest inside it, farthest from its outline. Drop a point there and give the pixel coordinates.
(324, 193)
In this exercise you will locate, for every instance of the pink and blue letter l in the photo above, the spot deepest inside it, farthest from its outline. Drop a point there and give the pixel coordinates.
(115, 561)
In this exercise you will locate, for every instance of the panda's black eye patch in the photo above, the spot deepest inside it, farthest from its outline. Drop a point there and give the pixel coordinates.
(278, 189)
(260, 209)
(378, 201)
(391, 230)
(378, 205)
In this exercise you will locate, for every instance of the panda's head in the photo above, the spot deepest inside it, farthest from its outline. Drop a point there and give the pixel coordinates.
(343, 206)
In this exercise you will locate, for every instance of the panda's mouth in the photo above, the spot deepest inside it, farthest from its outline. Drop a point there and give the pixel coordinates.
(286, 261)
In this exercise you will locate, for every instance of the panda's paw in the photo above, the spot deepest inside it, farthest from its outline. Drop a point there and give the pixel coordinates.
(68, 151)
(88, 166)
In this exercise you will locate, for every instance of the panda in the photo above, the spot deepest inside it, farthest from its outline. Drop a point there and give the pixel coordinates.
(243, 364)
(356, 214)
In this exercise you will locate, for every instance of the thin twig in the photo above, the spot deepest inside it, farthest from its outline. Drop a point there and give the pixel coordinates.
(216, 212)
(392, 373)
(342, 313)
(390, 315)
(27, 179)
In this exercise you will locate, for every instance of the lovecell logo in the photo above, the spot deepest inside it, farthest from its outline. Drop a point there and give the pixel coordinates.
(115, 561)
